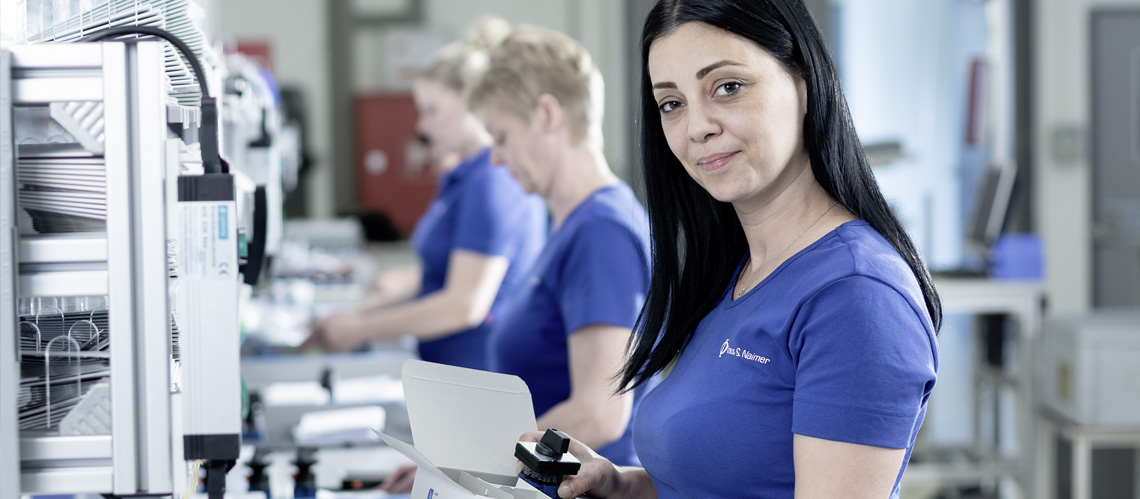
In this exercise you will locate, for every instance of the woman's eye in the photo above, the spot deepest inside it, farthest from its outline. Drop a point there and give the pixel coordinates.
(669, 106)
(728, 88)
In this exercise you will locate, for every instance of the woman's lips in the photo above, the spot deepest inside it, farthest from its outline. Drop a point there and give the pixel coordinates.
(714, 162)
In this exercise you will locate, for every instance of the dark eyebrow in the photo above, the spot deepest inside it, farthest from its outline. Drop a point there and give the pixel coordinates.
(700, 74)
(708, 69)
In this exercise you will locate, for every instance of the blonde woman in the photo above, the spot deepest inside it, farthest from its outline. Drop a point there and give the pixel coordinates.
(479, 237)
(567, 329)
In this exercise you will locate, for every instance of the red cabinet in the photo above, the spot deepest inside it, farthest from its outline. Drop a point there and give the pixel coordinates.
(394, 177)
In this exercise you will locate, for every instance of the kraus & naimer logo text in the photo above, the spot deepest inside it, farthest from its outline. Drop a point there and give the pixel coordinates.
(725, 348)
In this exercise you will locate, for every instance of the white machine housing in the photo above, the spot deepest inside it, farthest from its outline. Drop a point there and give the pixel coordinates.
(1089, 368)
(128, 263)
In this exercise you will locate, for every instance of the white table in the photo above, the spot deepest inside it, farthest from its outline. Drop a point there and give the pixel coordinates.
(1024, 302)
(1084, 439)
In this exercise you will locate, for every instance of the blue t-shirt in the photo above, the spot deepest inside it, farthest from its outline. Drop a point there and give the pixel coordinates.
(836, 344)
(594, 270)
(478, 207)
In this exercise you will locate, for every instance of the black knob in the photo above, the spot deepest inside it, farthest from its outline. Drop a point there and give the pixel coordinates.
(553, 444)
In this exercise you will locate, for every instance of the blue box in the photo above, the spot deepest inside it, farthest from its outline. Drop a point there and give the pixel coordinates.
(1018, 257)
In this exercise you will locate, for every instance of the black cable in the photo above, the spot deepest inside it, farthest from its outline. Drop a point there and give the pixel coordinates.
(161, 33)
(212, 161)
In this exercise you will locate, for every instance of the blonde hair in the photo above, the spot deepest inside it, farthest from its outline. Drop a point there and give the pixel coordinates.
(461, 63)
(533, 61)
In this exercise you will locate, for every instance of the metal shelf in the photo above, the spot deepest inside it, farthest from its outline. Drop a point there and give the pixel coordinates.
(63, 265)
(58, 248)
(50, 447)
(127, 263)
(1023, 301)
(69, 283)
(68, 480)
(56, 464)
(935, 473)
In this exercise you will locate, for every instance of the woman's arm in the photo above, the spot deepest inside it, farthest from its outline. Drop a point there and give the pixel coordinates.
(593, 413)
(826, 469)
(473, 280)
(393, 286)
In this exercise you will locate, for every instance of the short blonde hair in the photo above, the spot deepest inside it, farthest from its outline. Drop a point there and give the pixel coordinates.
(533, 61)
(460, 64)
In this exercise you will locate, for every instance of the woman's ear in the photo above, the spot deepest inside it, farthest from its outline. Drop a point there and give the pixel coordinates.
(801, 89)
(548, 114)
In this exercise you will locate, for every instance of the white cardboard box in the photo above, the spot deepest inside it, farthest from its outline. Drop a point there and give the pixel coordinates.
(1090, 367)
(465, 424)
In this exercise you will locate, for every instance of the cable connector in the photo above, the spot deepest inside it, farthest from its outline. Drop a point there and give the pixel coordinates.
(210, 138)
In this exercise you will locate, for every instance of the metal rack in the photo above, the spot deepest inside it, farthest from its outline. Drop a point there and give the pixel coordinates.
(986, 461)
(126, 263)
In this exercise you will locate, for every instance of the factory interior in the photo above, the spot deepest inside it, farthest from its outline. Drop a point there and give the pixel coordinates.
(383, 248)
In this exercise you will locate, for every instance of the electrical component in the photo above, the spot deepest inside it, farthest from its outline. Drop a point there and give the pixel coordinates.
(545, 462)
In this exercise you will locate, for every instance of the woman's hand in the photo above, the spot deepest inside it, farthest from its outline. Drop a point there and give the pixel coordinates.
(336, 333)
(598, 477)
(401, 480)
(385, 284)
(392, 287)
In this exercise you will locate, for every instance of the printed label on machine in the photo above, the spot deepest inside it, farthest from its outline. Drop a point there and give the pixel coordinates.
(209, 248)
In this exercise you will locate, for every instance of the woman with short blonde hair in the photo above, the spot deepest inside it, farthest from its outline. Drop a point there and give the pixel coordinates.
(534, 61)
(566, 332)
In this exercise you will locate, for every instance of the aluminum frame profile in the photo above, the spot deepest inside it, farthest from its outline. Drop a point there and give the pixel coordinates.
(9, 372)
(150, 266)
(129, 80)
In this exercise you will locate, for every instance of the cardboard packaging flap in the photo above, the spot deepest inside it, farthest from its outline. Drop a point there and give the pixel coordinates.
(425, 465)
(466, 419)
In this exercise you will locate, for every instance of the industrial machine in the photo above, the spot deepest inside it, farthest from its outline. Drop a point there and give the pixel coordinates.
(119, 273)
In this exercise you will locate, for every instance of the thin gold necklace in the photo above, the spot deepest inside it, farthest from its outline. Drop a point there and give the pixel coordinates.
(777, 257)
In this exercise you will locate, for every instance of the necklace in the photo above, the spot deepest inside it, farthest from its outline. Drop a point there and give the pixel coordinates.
(777, 257)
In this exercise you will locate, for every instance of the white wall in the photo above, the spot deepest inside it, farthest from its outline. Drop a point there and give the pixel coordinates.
(885, 108)
(904, 69)
(296, 29)
(1063, 188)
(598, 24)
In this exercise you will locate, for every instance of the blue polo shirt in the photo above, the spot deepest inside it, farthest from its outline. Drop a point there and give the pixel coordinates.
(836, 344)
(594, 270)
(478, 207)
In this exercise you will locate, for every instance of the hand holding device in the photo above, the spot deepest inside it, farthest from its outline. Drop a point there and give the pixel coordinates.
(545, 462)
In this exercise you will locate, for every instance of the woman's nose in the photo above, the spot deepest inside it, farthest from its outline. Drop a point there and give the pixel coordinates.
(702, 122)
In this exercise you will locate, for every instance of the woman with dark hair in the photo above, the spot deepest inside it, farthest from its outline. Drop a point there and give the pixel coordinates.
(790, 316)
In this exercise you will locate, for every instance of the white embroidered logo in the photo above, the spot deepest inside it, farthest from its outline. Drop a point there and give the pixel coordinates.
(742, 353)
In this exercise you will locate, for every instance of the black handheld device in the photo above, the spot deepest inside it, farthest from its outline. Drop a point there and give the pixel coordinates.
(545, 462)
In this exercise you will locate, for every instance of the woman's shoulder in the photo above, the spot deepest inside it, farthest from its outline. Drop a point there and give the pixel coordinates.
(615, 206)
(852, 271)
(487, 172)
(856, 251)
(496, 182)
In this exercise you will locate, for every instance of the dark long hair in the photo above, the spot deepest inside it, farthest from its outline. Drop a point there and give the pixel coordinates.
(697, 241)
